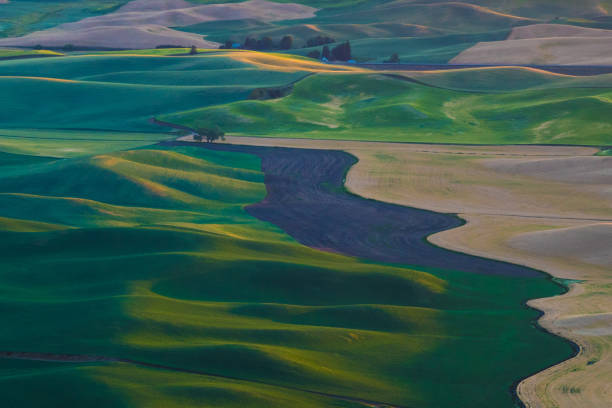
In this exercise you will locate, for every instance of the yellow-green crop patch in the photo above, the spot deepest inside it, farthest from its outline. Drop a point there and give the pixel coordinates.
(149, 255)
(72, 143)
(16, 53)
(532, 108)
(115, 247)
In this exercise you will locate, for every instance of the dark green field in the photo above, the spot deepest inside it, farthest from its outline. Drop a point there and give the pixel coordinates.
(148, 255)
(114, 246)
(490, 106)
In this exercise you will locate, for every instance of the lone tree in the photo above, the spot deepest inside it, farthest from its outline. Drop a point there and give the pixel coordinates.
(211, 135)
(286, 42)
(193, 50)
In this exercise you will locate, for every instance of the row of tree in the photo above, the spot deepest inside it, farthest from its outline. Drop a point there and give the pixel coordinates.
(262, 44)
(285, 43)
(341, 52)
(319, 40)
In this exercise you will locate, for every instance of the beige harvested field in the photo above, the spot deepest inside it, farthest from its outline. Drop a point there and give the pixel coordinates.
(589, 244)
(145, 24)
(546, 207)
(140, 36)
(556, 30)
(544, 44)
(540, 51)
(476, 9)
(180, 13)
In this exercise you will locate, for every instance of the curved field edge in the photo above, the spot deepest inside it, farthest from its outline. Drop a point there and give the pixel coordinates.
(576, 315)
(579, 315)
(166, 213)
(522, 388)
(519, 397)
(435, 154)
(270, 169)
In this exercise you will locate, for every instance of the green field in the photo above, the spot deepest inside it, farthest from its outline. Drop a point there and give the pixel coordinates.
(120, 92)
(148, 254)
(605, 152)
(433, 32)
(547, 110)
(73, 143)
(21, 17)
(114, 246)
(438, 49)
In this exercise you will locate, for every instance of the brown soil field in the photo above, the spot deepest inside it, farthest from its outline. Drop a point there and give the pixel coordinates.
(546, 207)
(306, 199)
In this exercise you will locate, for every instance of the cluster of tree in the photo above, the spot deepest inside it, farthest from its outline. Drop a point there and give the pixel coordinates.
(319, 40)
(394, 59)
(341, 52)
(262, 44)
(210, 135)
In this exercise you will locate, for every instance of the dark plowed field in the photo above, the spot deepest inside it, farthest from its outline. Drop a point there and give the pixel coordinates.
(307, 199)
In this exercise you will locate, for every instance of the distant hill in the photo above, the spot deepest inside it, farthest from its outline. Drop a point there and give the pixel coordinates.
(544, 44)
(379, 27)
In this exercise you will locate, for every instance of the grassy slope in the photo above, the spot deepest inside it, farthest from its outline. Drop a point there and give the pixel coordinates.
(418, 33)
(435, 31)
(422, 32)
(119, 92)
(104, 102)
(430, 49)
(550, 109)
(21, 17)
(73, 143)
(149, 255)
(14, 53)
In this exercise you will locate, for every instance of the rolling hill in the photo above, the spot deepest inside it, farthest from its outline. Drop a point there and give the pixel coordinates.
(380, 27)
(544, 44)
(120, 92)
(149, 258)
(135, 273)
(491, 106)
